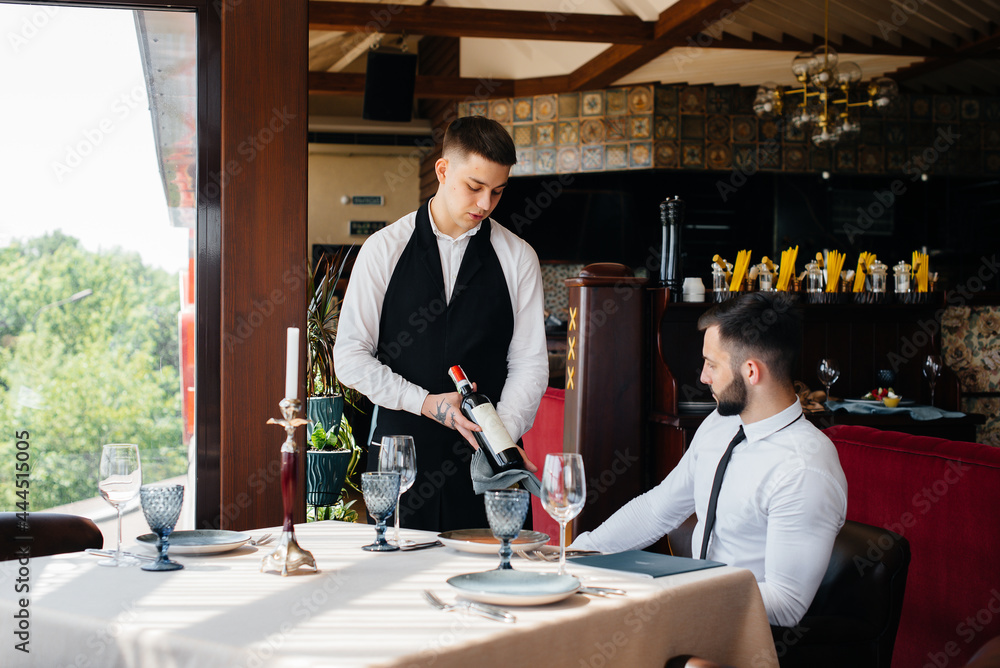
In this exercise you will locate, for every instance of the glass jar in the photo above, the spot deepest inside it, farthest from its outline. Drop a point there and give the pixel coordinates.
(878, 272)
(765, 279)
(719, 283)
(814, 278)
(902, 272)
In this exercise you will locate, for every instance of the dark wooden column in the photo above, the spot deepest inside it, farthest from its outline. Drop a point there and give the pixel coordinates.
(604, 386)
(262, 176)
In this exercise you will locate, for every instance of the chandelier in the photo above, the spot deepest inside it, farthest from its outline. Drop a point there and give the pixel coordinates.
(824, 99)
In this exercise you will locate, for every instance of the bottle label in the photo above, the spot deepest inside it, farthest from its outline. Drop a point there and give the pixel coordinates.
(493, 429)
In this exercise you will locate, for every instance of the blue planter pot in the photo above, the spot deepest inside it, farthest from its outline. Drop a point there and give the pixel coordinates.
(325, 474)
(326, 411)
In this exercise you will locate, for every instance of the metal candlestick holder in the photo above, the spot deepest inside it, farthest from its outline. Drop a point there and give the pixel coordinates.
(288, 556)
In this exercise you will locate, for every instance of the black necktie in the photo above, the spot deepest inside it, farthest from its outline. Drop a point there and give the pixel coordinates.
(713, 500)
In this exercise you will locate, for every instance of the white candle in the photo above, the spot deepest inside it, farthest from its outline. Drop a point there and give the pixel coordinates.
(292, 364)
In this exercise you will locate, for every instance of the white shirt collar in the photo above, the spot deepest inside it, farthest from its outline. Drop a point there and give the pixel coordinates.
(778, 421)
(444, 237)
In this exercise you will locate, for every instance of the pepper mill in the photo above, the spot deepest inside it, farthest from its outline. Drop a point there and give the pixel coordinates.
(671, 272)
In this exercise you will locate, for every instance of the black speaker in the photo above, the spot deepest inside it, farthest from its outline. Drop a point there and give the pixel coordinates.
(389, 82)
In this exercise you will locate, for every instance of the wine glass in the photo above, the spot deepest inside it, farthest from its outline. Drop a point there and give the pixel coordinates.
(162, 507)
(506, 510)
(932, 369)
(564, 490)
(398, 454)
(381, 491)
(121, 478)
(828, 371)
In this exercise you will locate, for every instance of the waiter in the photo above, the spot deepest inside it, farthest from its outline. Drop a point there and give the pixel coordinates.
(441, 286)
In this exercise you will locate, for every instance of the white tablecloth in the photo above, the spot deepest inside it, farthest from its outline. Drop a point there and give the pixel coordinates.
(366, 609)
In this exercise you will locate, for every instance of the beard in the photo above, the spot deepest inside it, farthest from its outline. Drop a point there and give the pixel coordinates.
(732, 399)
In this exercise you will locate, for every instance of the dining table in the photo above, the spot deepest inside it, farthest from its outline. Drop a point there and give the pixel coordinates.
(365, 608)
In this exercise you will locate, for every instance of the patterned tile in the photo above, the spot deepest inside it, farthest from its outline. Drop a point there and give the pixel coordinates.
(871, 131)
(665, 127)
(718, 129)
(615, 128)
(719, 100)
(846, 158)
(743, 98)
(793, 134)
(945, 108)
(545, 134)
(796, 159)
(478, 109)
(991, 136)
(463, 109)
(744, 129)
(639, 127)
(895, 158)
(769, 155)
(745, 158)
(666, 99)
(871, 159)
(640, 100)
(592, 103)
(592, 131)
(524, 135)
(556, 293)
(921, 134)
(692, 154)
(569, 133)
(665, 154)
(692, 126)
(568, 159)
(970, 109)
(971, 135)
(719, 156)
(569, 105)
(920, 107)
(896, 134)
(991, 161)
(501, 110)
(640, 154)
(616, 156)
(523, 109)
(525, 162)
(992, 110)
(592, 157)
(546, 107)
(769, 130)
(692, 100)
(545, 161)
(616, 101)
(820, 159)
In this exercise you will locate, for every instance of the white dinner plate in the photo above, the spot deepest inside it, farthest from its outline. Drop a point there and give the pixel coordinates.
(202, 541)
(514, 587)
(482, 541)
(877, 402)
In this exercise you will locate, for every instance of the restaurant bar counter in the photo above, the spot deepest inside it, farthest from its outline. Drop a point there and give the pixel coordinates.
(366, 609)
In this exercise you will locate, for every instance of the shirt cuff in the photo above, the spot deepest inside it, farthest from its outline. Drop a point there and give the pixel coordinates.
(413, 399)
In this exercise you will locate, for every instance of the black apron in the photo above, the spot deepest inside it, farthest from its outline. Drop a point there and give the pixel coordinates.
(420, 337)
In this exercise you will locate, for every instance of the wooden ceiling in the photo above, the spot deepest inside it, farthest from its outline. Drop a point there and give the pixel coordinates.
(940, 46)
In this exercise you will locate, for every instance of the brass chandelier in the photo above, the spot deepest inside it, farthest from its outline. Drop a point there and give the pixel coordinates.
(824, 99)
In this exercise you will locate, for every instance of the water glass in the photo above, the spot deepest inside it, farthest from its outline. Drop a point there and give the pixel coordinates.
(120, 480)
(564, 490)
(828, 371)
(506, 510)
(162, 506)
(932, 369)
(381, 492)
(399, 454)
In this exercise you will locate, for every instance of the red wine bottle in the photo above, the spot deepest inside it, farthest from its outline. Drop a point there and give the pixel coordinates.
(500, 450)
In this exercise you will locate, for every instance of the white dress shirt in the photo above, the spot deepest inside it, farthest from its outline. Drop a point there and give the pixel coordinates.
(358, 330)
(782, 502)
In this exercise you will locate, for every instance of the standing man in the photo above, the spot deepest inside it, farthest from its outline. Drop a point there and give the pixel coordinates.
(441, 286)
(770, 479)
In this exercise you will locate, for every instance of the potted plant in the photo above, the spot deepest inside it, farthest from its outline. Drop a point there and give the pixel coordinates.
(333, 453)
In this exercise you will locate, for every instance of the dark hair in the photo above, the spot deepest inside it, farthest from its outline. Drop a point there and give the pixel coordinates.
(482, 136)
(759, 324)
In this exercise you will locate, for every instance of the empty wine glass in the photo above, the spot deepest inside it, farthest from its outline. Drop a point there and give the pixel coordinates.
(162, 507)
(828, 371)
(121, 478)
(398, 454)
(506, 510)
(381, 491)
(932, 369)
(564, 490)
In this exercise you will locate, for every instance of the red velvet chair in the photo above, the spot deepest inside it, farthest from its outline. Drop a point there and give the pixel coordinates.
(545, 436)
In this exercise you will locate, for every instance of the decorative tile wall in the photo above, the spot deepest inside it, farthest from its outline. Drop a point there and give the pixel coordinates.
(970, 345)
(554, 276)
(714, 128)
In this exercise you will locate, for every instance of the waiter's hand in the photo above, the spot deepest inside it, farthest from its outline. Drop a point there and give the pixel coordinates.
(445, 408)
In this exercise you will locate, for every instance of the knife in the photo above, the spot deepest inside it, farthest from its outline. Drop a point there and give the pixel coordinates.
(485, 610)
(113, 553)
(421, 546)
(601, 591)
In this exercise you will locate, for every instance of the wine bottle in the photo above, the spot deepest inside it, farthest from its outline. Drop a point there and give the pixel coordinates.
(500, 450)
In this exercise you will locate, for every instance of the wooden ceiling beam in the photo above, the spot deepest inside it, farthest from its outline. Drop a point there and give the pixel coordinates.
(426, 87)
(489, 23)
(987, 44)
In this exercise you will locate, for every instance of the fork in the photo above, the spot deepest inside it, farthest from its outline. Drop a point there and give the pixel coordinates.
(263, 540)
(487, 611)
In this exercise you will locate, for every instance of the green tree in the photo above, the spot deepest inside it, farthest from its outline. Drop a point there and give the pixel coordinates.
(101, 370)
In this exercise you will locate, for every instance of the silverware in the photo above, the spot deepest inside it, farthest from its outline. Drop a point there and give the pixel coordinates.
(421, 546)
(263, 540)
(601, 591)
(481, 609)
(113, 553)
(541, 555)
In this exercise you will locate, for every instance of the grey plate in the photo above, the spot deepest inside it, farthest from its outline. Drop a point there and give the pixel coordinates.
(876, 402)
(514, 587)
(482, 541)
(202, 541)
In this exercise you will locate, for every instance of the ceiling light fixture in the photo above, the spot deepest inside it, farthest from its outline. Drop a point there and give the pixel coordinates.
(825, 102)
